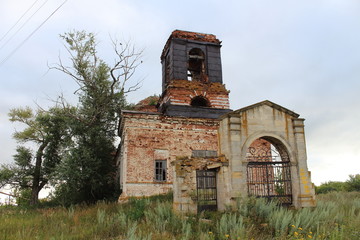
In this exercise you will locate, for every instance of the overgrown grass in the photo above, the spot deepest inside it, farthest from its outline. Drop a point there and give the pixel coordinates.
(337, 216)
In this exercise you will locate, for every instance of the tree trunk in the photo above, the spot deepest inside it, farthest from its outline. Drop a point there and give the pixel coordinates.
(36, 186)
(34, 199)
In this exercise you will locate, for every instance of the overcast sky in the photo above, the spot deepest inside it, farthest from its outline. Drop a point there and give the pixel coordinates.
(303, 55)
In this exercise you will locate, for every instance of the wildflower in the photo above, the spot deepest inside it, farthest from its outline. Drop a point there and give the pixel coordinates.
(300, 228)
(227, 235)
(210, 233)
(296, 233)
(310, 232)
(309, 236)
(293, 226)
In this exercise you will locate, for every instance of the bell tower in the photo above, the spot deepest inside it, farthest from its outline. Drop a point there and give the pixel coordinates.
(192, 76)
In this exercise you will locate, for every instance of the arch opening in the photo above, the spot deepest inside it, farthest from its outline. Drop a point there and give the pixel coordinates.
(199, 101)
(268, 170)
(196, 65)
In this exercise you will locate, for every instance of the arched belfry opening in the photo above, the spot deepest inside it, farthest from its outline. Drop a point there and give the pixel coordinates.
(196, 65)
(200, 101)
(268, 171)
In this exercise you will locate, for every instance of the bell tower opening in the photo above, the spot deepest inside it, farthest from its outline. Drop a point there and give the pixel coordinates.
(196, 65)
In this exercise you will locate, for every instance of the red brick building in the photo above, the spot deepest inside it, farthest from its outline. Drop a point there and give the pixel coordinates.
(193, 143)
(186, 122)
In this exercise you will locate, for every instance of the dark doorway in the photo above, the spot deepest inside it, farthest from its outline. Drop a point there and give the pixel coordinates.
(199, 101)
(206, 190)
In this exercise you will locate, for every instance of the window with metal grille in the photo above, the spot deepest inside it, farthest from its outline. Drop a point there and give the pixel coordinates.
(160, 170)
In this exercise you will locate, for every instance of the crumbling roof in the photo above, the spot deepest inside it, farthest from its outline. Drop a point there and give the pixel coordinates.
(148, 104)
(194, 36)
(202, 37)
(149, 101)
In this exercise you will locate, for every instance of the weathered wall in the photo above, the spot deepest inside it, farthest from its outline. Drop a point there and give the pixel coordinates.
(149, 137)
(185, 191)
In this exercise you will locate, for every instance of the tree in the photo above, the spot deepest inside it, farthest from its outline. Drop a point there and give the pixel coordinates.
(47, 130)
(353, 184)
(87, 172)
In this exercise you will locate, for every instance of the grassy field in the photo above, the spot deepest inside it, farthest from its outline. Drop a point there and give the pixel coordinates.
(337, 216)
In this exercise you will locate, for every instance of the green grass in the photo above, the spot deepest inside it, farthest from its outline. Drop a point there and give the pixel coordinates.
(337, 216)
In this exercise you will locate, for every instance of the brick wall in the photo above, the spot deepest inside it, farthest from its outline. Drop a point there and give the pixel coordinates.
(180, 92)
(150, 137)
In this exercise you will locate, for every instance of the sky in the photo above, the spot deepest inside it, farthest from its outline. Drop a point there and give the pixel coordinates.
(303, 55)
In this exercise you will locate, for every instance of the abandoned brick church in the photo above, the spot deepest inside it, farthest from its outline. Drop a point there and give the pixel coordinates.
(207, 154)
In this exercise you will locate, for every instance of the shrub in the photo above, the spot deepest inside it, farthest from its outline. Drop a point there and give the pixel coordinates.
(330, 186)
(353, 184)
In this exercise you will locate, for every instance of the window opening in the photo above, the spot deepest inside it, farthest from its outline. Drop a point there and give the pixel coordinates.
(189, 76)
(199, 101)
(160, 170)
(196, 65)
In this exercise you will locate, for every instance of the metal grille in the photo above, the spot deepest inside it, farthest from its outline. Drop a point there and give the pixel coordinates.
(160, 170)
(271, 180)
(268, 173)
(206, 190)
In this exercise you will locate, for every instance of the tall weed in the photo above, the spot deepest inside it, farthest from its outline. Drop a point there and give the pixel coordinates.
(162, 218)
(231, 226)
(337, 216)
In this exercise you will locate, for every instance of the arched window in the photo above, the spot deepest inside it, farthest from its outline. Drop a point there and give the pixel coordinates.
(196, 65)
(199, 101)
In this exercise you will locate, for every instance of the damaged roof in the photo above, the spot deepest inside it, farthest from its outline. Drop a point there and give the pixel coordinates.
(202, 37)
(193, 36)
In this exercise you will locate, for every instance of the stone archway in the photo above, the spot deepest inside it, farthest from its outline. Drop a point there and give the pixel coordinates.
(286, 177)
(268, 170)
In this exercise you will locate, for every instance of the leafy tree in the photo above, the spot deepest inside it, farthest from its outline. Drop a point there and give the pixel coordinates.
(87, 172)
(33, 169)
(6, 173)
(353, 184)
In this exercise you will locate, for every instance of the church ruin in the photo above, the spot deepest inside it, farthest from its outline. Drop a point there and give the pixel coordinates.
(208, 154)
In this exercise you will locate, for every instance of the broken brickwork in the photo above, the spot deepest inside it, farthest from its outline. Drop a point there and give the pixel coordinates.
(181, 92)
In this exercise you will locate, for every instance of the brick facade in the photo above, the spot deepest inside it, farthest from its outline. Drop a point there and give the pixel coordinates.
(147, 137)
